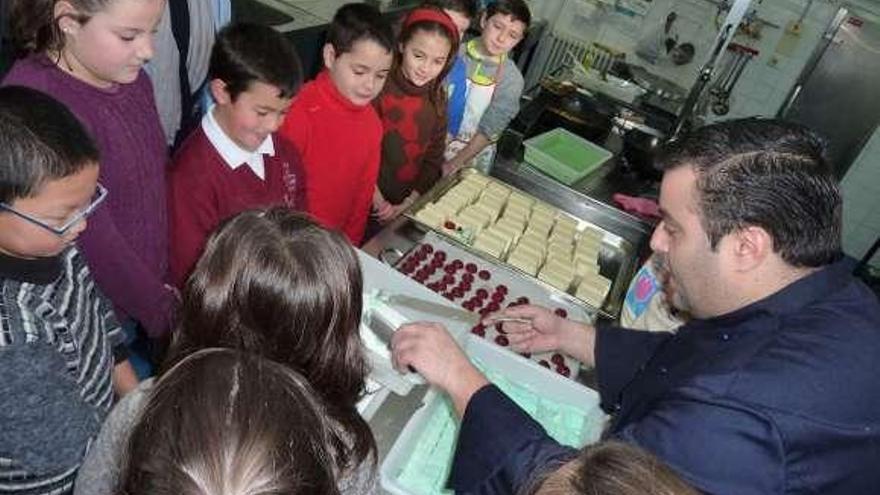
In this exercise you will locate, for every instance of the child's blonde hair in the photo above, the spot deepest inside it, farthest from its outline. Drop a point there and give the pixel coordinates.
(223, 422)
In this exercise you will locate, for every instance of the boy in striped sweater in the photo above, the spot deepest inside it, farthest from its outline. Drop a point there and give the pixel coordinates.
(62, 358)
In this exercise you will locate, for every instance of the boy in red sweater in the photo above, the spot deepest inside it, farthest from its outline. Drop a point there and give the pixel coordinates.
(232, 162)
(333, 125)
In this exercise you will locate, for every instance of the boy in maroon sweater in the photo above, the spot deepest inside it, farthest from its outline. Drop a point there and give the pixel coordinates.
(233, 161)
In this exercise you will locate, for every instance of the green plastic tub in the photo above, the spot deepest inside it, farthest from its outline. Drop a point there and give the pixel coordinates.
(564, 156)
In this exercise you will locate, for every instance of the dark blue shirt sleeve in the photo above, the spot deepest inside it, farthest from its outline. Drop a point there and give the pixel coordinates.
(501, 449)
(720, 448)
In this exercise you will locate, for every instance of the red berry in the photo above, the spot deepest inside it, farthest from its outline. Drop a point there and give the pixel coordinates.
(440, 255)
(468, 277)
(493, 307)
(464, 286)
(449, 225)
(502, 341)
(448, 295)
(468, 305)
(448, 279)
(560, 312)
(479, 330)
(544, 364)
(482, 293)
(457, 292)
(450, 269)
(522, 300)
(564, 371)
(478, 303)
(427, 248)
(557, 359)
(484, 275)
(497, 297)
(484, 311)
(501, 289)
(471, 267)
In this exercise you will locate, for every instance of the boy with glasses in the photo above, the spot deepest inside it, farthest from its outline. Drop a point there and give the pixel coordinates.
(62, 357)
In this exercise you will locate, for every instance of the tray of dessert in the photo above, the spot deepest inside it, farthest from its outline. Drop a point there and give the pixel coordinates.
(505, 225)
(483, 287)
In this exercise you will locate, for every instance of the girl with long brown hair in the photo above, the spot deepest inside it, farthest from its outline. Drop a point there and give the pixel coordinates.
(231, 423)
(412, 108)
(274, 283)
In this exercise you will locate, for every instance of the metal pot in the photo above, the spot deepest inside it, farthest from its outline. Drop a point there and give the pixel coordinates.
(640, 145)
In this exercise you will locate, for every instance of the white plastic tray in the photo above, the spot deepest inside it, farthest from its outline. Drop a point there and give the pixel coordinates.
(517, 369)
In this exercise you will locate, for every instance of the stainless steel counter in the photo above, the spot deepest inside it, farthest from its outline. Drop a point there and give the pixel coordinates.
(297, 15)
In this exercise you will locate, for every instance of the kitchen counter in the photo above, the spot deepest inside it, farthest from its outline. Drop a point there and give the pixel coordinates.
(296, 15)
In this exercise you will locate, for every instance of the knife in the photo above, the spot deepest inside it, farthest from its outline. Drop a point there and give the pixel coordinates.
(440, 310)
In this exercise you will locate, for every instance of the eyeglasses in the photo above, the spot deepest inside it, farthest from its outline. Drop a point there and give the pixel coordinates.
(97, 199)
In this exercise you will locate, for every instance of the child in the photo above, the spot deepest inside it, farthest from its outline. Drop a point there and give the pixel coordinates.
(61, 351)
(412, 108)
(230, 423)
(461, 12)
(333, 125)
(274, 283)
(89, 55)
(494, 86)
(612, 468)
(233, 162)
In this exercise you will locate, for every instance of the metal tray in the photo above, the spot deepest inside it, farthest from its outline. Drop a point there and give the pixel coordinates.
(617, 256)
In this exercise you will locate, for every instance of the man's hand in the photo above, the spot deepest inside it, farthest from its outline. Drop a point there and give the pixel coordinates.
(547, 332)
(430, 350)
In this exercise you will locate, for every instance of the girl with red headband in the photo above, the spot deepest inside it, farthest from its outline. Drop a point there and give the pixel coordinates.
(412, 108)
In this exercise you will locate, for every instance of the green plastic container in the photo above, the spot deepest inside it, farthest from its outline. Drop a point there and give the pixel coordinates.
(564, 156)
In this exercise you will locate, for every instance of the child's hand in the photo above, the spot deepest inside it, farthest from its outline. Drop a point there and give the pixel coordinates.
(385, 211)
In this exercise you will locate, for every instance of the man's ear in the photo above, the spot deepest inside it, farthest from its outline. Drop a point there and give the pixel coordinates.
(329, 54)
(219, 92)
(483, 20)
(750, 247)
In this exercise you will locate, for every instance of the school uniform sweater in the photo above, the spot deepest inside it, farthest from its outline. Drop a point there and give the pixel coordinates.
(339, 144)
(204, 190)
(413, 141)
(126, 244)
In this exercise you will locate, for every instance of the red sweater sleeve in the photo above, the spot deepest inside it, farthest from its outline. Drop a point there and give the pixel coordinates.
(357, 222)
(192, 214)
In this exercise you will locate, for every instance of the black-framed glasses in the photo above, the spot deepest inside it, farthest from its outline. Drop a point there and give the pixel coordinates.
(97, 199)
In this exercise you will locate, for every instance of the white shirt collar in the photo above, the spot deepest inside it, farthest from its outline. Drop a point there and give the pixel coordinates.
(233, 154)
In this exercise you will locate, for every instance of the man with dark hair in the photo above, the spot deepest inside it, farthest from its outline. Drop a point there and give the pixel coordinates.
(770, 388)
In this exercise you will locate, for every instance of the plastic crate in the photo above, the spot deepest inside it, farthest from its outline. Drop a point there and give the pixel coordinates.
(564, 156)
(516, 369)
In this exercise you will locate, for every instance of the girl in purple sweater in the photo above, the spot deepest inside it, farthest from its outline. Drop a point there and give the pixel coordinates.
(89, 54)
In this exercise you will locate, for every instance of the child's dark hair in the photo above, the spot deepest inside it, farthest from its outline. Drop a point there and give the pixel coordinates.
(517, 9)
(466, 7)
(34, 28)
(40, 140)
(354, 22)
(420, 20)
(223, 421)
(244, 53)
(275, 283)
